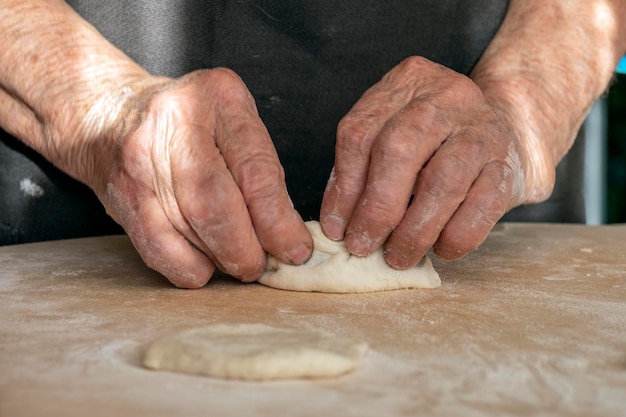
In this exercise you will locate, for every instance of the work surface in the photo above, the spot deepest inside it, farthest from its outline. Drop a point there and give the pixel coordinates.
(532, 323)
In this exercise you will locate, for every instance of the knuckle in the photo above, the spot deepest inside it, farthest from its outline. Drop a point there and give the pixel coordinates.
(459, 89)
(260, 177)
(456, 80)
(250, 137)
(487, 213)
(262, 188)
(225, 78)
(449, 179)
(346, 128)
(380, 213)
(212, 200)
(225, 85)
(472, 148)
(411, 244)
(493, 206)
(459, 82)
(402, 145)
(414, 64)
(353, 135)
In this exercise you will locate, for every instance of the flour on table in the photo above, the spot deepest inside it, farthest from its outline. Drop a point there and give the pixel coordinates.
(255, 352)
(333, 269)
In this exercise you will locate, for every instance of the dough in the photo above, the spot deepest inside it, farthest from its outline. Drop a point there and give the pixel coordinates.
(255, 352)
(333, 269)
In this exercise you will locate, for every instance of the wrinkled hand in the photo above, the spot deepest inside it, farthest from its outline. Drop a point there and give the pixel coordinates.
(422, 159)
(196, 183)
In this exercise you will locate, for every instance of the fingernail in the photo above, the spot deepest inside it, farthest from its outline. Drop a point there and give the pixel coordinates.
(358, 244)
(299, 255)
(396, 260)
(334, 226)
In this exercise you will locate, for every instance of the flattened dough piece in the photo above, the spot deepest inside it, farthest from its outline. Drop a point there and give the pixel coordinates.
(333, 269)
(255, 352)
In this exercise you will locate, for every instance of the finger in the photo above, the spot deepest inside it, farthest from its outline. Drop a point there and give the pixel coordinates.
(255, 167)
(413, 80)
(212, 204)
(249, 153)
(486, 202)
(159, 244)
(406, 142)
(441, 187)
(355, 134)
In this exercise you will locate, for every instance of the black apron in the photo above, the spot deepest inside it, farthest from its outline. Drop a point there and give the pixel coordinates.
(305, 62)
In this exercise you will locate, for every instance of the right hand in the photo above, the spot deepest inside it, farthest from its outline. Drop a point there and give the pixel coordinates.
(423, 160)
(196, 182)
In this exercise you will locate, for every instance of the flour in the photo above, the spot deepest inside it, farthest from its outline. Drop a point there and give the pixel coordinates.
(30, 188)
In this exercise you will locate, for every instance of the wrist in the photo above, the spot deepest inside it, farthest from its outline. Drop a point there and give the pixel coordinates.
(534, 137)
(86, 130)
(65, 90)
(548, 63)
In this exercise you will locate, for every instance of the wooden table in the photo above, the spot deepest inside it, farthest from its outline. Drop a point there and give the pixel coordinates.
(532, 323)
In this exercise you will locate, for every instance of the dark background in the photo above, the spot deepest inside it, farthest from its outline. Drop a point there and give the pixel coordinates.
(616, 157)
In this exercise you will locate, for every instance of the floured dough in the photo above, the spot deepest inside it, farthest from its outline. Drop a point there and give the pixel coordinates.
(333, 269)
(255, 352)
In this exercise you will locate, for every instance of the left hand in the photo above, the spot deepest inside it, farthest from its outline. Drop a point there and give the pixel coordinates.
(427, 132)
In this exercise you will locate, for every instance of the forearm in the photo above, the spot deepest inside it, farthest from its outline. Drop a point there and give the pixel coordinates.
(548, 63)
(61, 82)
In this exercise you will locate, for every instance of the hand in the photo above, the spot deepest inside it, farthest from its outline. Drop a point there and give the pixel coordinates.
(422, 159)
(196, 183)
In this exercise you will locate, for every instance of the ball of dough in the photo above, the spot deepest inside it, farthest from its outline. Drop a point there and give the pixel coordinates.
(333, 269)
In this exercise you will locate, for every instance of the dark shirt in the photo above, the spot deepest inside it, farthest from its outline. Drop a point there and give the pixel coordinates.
(306, 63)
